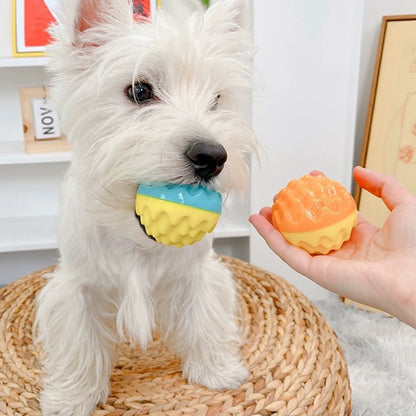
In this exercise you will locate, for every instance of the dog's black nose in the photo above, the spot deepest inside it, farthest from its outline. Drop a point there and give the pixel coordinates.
(207, 158)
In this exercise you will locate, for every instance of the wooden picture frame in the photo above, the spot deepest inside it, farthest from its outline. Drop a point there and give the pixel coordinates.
(389, 143)
(32, 145)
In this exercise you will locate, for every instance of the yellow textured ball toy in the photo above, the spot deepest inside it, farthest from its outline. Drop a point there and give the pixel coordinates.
(315, 213)
(177, 215)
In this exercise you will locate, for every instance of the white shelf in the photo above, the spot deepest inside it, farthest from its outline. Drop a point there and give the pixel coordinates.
(27, 233)
(39, 232)
(13, 153)
(228, 227)
(11, 62)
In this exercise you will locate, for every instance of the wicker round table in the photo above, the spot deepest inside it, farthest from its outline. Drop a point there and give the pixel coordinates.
(296, 365)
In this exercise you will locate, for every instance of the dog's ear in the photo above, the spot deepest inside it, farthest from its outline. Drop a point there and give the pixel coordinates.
(77, 17)
(181, 8)
(239, 11)
(92, 13)
(89, 14)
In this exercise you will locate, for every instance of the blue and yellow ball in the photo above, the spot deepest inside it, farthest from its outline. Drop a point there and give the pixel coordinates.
(177, 215)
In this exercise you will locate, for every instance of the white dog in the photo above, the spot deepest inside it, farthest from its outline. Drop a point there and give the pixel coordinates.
(142, 101)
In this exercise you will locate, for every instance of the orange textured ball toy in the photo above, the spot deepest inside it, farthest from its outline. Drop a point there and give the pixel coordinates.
(315, 213)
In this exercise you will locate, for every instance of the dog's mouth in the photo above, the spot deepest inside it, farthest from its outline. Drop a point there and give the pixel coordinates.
(143, 227)
(176, 214)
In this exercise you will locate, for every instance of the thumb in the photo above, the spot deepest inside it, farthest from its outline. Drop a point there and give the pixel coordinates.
(389, 189)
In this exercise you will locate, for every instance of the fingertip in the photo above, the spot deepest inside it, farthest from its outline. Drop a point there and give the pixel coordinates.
(316, 173)
(261, 224)
(358, 171)
(266, 211)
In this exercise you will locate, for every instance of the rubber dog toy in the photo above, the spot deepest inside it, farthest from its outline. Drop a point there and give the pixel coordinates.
(177, 215)
(315, 213)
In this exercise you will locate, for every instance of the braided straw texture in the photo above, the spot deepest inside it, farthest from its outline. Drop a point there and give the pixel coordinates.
(296, 365)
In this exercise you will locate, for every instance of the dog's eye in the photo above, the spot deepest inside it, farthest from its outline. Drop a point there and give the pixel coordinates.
(140, 92)
(215, 103)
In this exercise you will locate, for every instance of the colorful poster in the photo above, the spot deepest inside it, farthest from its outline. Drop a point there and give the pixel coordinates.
(31, 19)
(141, 8)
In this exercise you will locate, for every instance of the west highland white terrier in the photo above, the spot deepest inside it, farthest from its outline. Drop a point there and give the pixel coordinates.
(135, 99)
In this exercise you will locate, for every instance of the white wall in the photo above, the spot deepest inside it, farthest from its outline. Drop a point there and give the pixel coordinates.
(310, 107)
(5, 28)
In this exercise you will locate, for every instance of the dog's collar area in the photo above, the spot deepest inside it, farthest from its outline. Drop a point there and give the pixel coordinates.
(143, 227)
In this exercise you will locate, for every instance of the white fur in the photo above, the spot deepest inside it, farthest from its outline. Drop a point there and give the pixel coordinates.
(113, 281)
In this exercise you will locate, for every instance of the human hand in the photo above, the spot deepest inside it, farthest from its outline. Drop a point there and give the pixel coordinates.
(376, 266)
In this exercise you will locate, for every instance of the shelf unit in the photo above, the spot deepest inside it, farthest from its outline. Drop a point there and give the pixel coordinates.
(30, 184)
(13, 153)
(12, 62)
(37, 232)
(30, 233)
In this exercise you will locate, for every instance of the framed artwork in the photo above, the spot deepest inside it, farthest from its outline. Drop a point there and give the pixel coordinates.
(30, 21)
(142, 9)
(389, 143)
(41, 130)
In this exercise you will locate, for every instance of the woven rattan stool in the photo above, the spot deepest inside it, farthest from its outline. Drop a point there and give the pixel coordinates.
(296, 365)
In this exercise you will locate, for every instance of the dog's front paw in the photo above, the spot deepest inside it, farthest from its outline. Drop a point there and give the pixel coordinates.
(230, 376)
(52, 403)
(67, 409)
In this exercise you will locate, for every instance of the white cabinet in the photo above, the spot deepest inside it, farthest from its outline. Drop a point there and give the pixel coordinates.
(30, 184)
